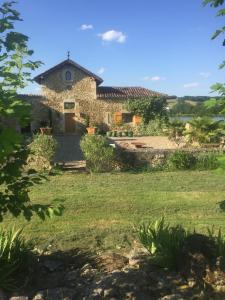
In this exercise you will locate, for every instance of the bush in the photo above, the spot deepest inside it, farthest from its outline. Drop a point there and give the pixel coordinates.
(204, 130)
(163, 242)
(153, 128)
(168, 245)
(182, 160)
(149, 108)
(43, 149)
(125, 160)
(14, 258)
(207, 161)
(175, 129)
(98, 153)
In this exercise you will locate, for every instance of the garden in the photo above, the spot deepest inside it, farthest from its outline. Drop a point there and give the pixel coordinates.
(125, 227)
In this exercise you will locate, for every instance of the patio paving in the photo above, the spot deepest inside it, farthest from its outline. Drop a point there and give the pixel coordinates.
(154, 142)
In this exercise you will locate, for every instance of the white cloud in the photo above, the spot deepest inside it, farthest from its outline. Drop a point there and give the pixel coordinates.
(101, 71)
(154, 78)
(205, 74)
(86, 27)
(113, 36)
(191, 85)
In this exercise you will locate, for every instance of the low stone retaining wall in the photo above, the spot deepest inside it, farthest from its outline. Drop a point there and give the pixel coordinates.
(157, 157)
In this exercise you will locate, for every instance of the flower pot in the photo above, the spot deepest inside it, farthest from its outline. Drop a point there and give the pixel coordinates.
(137, 120)
(46, 130)
(109, 133)
(91, 130)
(130, 133)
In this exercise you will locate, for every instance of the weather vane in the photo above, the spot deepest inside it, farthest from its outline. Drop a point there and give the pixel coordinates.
(68, 54)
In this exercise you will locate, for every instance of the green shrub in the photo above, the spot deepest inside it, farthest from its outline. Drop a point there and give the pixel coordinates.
(43, 149)
(163, 242)
(167, 244)
(153, 128)
(14, 258)
(182, 160)
(175, 129)
(204, 130)
(98, 153)
(207, 161)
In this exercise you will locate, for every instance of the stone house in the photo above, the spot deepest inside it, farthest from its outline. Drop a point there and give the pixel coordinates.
(71, 95)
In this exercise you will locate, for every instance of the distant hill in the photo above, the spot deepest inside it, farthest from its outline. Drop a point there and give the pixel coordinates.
(197, 98)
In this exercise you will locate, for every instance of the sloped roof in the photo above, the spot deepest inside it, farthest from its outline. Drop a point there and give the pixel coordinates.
(67, 62)
(108, 92)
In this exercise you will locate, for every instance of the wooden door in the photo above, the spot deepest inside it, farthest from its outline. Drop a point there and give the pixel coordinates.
(69, 123)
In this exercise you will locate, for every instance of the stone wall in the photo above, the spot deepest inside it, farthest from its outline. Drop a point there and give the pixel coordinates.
(157, 157)
(39, 112)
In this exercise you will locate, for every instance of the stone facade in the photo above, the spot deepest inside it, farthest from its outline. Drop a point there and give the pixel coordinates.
(69, 97)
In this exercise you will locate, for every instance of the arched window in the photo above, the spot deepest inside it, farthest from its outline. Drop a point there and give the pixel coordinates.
(68, 76)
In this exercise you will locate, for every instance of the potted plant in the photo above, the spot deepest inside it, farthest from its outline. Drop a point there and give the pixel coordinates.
(109, 133)
(114, 134)
(91, 129)
(130, 133)
(45, 129)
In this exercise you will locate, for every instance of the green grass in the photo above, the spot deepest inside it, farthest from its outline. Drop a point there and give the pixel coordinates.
(101, 211)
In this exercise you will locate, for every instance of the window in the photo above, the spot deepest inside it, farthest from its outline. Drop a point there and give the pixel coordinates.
(127, 117)
(68, 76)
(69, 105)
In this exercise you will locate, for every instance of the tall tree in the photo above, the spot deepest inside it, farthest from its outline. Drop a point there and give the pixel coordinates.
(218, 87)
(15, 67)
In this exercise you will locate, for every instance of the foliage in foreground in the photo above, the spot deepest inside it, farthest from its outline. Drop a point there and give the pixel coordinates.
(162, 241)
(15, 256)
(166, 243)
(98, 153)
(43, 148)
(15, 67)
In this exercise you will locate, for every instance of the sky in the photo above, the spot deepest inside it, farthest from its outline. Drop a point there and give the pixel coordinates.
(162, 45)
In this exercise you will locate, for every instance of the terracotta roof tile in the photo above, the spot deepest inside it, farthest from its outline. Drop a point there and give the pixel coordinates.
(107, 92)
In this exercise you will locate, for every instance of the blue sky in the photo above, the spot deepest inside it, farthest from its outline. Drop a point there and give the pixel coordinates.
(161, 45)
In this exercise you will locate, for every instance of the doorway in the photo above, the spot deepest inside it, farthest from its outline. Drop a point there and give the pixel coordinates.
(69, 122)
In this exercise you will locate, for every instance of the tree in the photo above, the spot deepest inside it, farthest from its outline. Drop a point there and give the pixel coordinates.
(148, 108)
(15, 67)
(204, 130)
(218, 87)
(221, 13)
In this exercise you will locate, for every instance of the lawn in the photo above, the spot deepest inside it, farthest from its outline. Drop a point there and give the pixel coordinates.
(102, 211)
